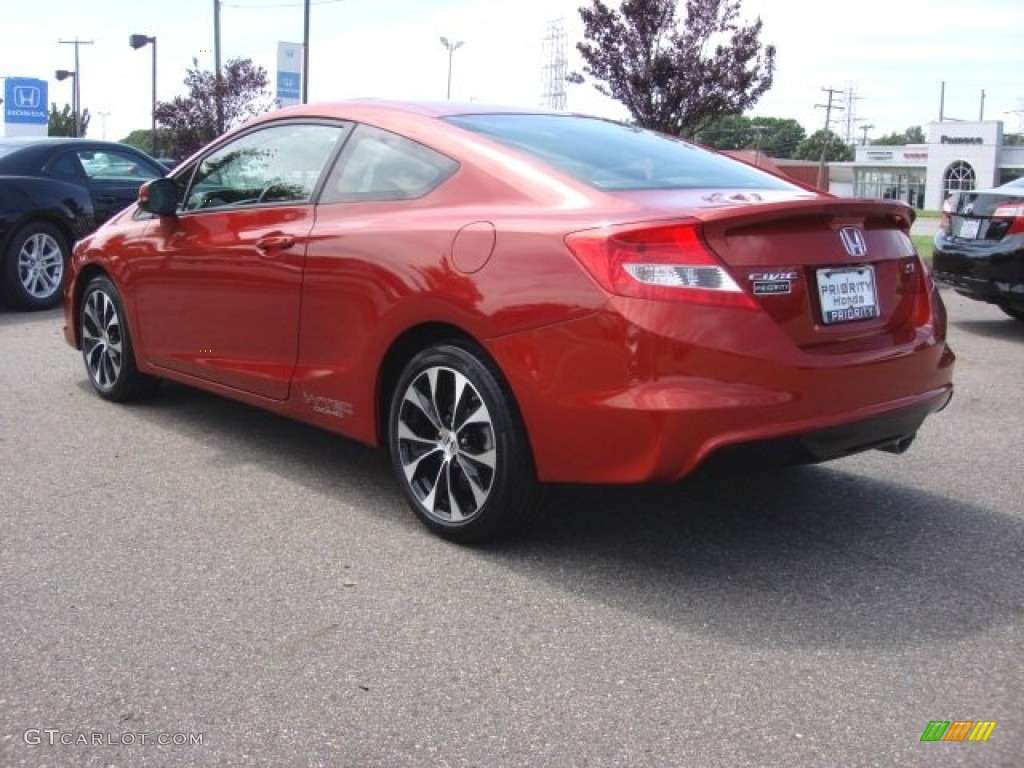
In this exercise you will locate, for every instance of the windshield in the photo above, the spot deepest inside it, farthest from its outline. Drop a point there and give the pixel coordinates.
(613, 156)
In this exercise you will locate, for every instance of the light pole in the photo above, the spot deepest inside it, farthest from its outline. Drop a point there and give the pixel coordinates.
(77, 74)
(140, 41)
(452, 47)
(64, 74)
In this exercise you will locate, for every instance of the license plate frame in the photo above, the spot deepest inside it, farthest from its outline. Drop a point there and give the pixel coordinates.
(847, 294)
(969, 229)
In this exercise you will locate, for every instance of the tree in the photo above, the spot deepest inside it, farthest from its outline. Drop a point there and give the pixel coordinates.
(142, 139)
(837, 152)
(775, 136)
(62, 122)
(913, 135)
(212, 105)
(675, 78)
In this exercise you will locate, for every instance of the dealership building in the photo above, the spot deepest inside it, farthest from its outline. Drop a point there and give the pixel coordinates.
(958, 156)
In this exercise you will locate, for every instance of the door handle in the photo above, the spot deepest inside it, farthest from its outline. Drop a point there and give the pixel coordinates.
(275, 242)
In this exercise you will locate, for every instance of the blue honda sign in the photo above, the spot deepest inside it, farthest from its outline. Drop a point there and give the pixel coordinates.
(289, 73)
(25, 101)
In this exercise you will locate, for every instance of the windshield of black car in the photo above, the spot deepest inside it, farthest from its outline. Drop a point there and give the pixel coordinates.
(613, 156)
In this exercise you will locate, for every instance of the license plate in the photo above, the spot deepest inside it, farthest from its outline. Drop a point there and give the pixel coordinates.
(969, 228)
(847, 294)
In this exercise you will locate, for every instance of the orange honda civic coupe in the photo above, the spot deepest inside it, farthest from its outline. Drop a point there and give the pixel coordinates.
(506, 298)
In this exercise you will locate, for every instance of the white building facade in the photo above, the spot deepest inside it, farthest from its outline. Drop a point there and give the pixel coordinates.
(958, 156)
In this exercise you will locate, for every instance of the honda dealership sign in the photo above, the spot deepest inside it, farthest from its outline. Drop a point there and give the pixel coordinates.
(289, 73)
(26, 109)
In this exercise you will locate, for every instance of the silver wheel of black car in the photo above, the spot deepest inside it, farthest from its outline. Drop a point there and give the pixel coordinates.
(458, 446)
(35, 266)
(106, 344)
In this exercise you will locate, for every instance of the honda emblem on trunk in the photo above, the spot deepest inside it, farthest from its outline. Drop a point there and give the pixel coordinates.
(853, 241)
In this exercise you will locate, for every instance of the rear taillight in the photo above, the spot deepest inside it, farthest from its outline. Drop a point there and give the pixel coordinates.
(1013, 212)
(662, 262)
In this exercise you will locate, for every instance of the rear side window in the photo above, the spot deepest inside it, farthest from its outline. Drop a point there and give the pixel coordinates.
(613, 156)
(111, 165)
(380, 165)
(67, 165)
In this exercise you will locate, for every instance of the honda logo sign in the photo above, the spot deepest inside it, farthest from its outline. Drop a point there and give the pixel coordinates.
(853, 241)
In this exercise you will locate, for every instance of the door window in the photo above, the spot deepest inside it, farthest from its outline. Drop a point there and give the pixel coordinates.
(277, 164)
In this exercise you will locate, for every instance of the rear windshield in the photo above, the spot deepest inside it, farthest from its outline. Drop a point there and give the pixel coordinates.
(612, 156)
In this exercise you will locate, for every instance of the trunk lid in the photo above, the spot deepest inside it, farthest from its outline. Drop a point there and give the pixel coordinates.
(836, 275)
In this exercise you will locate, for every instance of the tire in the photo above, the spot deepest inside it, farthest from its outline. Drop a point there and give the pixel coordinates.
(107, 345)
(1017, 313)
(458, 446)
(34, 265)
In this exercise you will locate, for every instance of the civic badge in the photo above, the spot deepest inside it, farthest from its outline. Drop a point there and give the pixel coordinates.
(853, 241)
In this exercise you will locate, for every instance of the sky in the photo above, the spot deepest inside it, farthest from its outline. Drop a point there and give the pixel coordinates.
(891, 57)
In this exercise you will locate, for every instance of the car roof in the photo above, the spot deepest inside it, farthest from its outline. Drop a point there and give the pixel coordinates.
(28, 141)
(425, 108)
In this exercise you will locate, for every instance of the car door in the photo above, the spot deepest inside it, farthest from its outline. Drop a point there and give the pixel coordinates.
(218, 296)
(114, 177)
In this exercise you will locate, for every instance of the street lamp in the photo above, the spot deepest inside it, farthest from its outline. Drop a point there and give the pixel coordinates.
(140, 41)
(64, 74)
(452, 47)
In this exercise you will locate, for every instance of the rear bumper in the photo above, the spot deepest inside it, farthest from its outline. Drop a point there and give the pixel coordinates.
(986, 272)
(626, 404)
(891, 431)
(993, 291)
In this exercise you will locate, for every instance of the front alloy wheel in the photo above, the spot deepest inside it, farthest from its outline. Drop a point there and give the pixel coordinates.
(458, 446)
(106, 344)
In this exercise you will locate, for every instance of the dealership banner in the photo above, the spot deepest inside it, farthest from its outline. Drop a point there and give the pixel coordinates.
(25, 101)
(289, 73)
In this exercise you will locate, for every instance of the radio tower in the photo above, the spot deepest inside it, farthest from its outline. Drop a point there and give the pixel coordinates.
(556, 65)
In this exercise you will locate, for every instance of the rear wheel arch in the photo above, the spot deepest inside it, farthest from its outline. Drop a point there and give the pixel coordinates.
(455, 434)
(402, 350)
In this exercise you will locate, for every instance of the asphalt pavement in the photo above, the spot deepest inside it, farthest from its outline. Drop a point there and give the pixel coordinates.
(253, 592)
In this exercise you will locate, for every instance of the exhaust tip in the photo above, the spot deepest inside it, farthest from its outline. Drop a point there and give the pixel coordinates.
(898, 446)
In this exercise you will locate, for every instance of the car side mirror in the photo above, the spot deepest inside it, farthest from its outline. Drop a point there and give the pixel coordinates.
(159, 196)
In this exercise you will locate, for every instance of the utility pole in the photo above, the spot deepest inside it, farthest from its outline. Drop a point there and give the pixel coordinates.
(822, 182)
(77, 85)
(218, 95)
(759, 131)
(305, 52)
(981, 111)
(864, 137)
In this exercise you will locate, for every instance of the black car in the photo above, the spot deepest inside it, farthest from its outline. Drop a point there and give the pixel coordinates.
(52, 192)
(979, 248)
